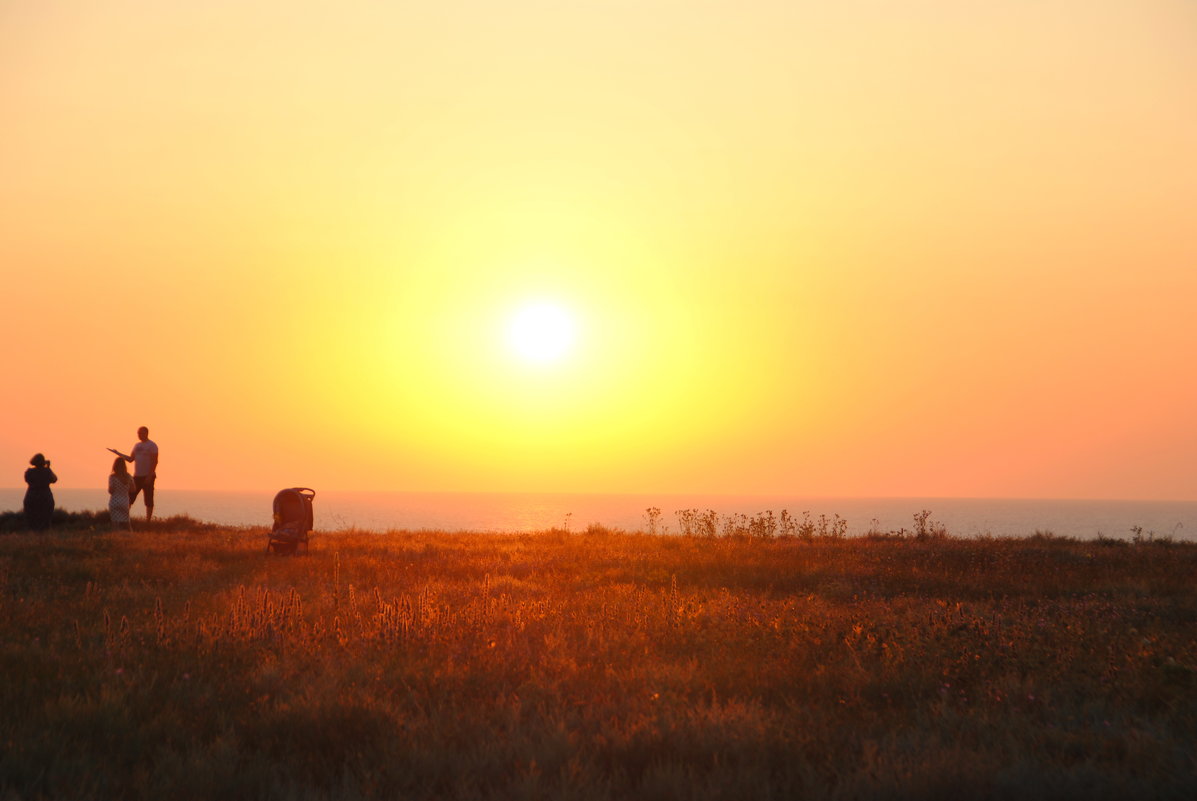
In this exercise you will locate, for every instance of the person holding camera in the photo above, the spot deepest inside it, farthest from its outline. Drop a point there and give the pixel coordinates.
(144, 457)
(39, 500)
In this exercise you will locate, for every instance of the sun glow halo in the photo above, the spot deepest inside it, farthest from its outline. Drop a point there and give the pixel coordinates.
(541, 333)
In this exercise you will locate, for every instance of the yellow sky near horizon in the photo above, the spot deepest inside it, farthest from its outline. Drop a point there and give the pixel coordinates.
(924, 249)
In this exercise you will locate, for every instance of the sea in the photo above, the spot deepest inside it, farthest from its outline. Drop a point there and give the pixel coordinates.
(384, 512)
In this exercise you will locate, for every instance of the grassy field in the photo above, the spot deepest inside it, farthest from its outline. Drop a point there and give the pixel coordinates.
(183, 662)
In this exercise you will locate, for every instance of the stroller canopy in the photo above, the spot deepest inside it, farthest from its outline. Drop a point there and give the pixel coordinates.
(293, 509)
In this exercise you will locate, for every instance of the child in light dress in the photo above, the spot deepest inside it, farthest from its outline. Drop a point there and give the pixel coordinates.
(119, 484)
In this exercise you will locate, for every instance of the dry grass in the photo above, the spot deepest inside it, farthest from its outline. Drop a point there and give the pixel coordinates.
(601, 665)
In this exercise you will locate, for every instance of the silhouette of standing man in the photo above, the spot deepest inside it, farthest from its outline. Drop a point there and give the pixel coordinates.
(144, 457)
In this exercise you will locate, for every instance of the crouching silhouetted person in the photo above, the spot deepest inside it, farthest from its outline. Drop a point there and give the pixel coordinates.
(39, 500)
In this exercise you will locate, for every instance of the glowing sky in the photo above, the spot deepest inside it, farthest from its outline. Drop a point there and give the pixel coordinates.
(858, 248)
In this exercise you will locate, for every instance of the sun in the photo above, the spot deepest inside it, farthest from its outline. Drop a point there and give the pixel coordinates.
(541, 333)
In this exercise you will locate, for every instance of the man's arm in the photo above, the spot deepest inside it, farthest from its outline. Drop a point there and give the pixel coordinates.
(123, 456)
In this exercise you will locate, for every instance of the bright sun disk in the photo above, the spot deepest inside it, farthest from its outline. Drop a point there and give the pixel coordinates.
(541, 333)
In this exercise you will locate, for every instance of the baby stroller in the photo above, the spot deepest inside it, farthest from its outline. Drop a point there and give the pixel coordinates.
(292, 520)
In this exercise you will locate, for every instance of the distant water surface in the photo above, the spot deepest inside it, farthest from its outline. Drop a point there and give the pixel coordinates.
(506, 512)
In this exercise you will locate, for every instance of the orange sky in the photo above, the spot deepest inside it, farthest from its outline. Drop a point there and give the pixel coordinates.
(861, 248)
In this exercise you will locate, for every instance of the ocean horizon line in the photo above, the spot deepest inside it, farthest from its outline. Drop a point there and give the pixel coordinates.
(513, 512)
(639, 494)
